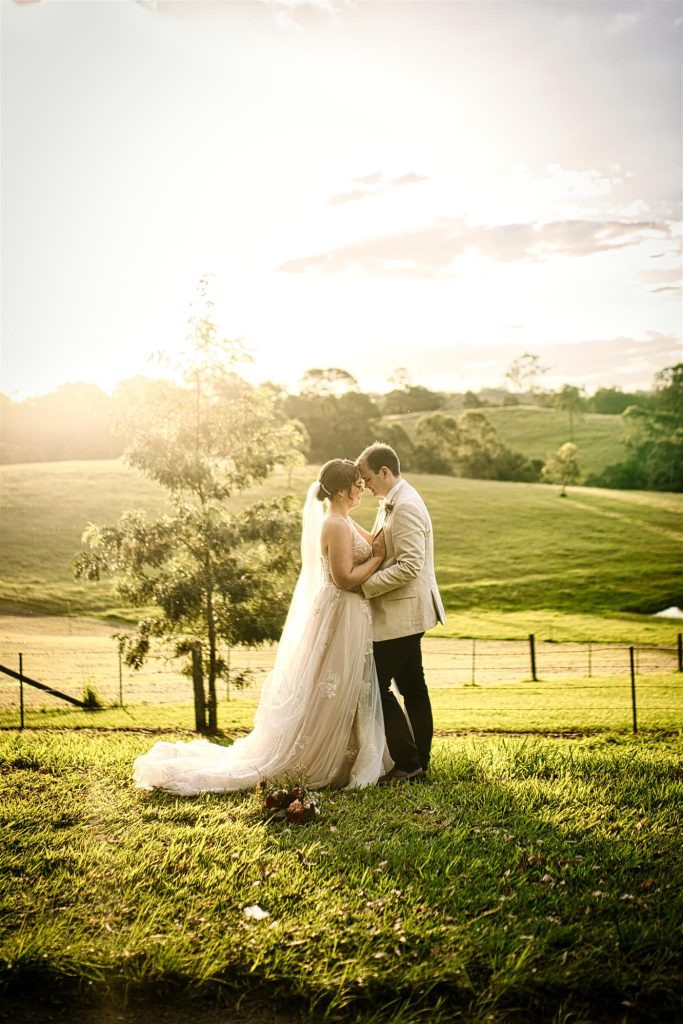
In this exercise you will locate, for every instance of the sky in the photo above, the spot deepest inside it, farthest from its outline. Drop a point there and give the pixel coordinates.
(439, 187)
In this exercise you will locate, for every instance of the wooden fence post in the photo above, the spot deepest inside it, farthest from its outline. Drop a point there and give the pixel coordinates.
(680, 652)
(633, 688)
(21, 690)
(474, 659)
(532, 651)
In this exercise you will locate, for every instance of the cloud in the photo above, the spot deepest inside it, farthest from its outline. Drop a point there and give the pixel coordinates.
(348, 197)
(628, 362)
(655, 276)
(622, 23)
(668, 281)
(374, 185)
(408, 179)
(369, 179)
(431, 251)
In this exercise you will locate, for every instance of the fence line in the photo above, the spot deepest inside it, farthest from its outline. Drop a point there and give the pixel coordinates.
(490, 666)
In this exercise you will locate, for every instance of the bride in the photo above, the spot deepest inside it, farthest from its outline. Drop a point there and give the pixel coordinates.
(320, 711)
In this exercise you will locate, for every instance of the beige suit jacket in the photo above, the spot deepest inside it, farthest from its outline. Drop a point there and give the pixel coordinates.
(404, 595)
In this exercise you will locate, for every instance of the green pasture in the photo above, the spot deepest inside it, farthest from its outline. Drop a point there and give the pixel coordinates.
(530, 880)
(537, 432)
(511, 558)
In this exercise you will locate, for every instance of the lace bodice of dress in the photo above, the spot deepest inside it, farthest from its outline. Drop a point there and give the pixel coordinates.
(361, 553)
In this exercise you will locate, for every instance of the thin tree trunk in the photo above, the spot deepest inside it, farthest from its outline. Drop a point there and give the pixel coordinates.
(213, 709)
(198, 686)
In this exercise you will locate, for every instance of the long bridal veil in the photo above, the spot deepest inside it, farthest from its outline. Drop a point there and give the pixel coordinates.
(309, 582)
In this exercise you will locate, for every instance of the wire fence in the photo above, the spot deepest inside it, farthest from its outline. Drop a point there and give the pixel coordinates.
(515, 680)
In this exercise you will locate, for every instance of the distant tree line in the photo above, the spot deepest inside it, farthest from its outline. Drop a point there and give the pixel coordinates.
(450, 433)
(74, 422)
(654, 440)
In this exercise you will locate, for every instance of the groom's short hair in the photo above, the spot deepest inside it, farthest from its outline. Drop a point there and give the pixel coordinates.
(380, 454)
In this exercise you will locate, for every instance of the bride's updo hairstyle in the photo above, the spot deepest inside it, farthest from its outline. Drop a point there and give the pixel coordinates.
(336, 475)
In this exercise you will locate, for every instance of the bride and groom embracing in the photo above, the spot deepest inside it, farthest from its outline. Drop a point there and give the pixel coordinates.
(362, 602)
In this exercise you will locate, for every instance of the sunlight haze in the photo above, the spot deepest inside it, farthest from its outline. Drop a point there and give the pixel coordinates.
(435, 186)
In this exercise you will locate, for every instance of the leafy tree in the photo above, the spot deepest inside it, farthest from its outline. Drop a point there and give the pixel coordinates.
(394, 435)
(472, 401)
(562, 467)
(400, 378)
(331, 381)
(208, 573)
(438, 440)
(523, 372)
(340, 424)
(468, 446)
(654, 439)
(614, 401)
(411, 398)
(571, 400)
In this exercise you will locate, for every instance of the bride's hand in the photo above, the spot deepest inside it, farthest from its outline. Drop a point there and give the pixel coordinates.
(379, 547)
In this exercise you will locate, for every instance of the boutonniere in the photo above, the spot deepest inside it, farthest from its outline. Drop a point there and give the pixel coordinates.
(388, 508)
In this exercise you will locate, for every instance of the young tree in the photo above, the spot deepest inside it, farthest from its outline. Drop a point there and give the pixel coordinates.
(562, 467)
(209, 573)
(523, 372)
(571, 400)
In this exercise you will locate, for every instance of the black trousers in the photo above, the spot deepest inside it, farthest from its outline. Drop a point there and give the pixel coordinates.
(401, 660)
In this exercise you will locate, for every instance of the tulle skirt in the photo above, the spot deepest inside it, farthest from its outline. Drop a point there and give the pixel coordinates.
(320, 715)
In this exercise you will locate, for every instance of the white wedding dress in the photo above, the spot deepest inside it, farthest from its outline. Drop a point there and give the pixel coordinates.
(320, 712)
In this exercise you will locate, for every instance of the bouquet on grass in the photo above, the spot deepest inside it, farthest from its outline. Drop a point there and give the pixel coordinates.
(289, 799)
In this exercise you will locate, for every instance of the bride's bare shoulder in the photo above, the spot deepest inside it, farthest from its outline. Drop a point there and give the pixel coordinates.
(335, 525)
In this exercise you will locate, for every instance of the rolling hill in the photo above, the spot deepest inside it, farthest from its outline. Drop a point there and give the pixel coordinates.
(507, 553)
(536, 432)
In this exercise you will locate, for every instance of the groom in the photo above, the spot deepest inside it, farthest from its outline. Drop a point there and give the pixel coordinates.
(405, 603)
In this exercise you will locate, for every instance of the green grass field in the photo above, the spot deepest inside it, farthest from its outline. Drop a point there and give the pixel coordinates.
(511, 558)
(533, 879)
(537, 432)
(530, 880)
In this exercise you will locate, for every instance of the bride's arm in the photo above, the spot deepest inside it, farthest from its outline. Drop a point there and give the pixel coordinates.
(337, 543)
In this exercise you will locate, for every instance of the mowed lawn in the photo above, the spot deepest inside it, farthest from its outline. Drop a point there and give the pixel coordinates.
(530, 880)
(511, 558)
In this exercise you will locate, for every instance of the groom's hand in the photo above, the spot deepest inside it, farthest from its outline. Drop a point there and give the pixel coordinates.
(379, 547)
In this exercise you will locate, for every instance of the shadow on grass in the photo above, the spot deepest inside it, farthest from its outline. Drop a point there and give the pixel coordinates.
(526, 881)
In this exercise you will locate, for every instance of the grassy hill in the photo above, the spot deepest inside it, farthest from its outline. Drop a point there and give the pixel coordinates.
(510, 557)
(535, 432)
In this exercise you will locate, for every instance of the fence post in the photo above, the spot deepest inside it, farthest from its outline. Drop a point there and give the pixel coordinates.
(532, 651)
(120, 681)
(21, 690)
(633, 688)
(590, 660)
(474, 659)
(227, 676)
(680, 652)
